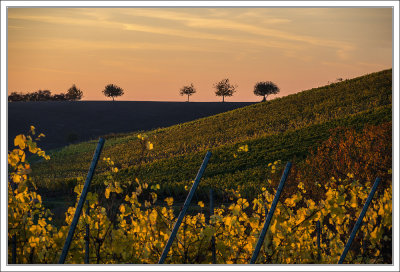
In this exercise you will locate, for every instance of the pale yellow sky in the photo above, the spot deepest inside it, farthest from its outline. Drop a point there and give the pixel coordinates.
(152, 52)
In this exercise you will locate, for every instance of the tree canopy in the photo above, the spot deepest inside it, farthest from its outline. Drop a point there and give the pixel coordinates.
(113, 91)
(188, 90)
(265, 88)
(224, 88)
(74, 93)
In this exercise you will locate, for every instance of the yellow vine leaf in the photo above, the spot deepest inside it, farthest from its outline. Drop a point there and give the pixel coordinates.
(107, 193)
(20, 140)
(149, 145)
(169, 201)
(153, 217)
(122, 208)
(273, 227)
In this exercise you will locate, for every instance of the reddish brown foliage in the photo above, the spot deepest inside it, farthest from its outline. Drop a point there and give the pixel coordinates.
(366, 155)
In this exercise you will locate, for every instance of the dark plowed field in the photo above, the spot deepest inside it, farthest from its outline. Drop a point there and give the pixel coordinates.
(66, 121)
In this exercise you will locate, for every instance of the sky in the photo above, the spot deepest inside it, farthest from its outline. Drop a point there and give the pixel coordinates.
(153, 52)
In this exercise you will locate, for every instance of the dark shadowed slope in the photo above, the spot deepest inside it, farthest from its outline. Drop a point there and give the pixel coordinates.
(65, 121)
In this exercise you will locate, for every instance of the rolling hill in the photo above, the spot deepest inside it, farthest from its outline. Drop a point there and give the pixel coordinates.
(283, 129)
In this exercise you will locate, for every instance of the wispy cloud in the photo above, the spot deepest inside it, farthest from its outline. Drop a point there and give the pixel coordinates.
(224, 24)
(208, 36)
(63, 20)
(51, 70)
(370, 64)
(77, 44)
(195, 27)
(15, 27)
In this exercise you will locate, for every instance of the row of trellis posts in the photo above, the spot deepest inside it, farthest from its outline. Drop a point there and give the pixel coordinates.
(182, 213)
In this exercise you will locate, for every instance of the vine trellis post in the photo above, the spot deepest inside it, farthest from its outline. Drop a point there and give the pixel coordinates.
(359, 220)
(185, 207)
(270, 213)
(82, 199)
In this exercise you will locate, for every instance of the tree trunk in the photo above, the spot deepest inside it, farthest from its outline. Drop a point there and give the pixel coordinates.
(188, 98)
(112, 98)
(223, 98)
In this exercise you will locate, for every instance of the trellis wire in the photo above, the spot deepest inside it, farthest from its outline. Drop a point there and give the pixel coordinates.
(184, 208)
(78, 210)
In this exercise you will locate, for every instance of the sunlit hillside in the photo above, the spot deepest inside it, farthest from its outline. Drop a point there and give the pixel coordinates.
(338, 138)
(284, 128)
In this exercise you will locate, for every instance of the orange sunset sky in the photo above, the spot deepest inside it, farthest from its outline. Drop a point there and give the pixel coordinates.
(152, 52)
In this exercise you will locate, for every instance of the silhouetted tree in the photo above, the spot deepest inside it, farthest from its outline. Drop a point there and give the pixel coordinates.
(36, 96)
(59, 97)
(112, 90)
(31, 96)
(265, 88)
(43, 95)
(188, 90)
(223, 88)
(15, 97)
(74, 93)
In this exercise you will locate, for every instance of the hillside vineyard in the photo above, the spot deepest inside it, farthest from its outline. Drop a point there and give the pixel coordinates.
(338, 138)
